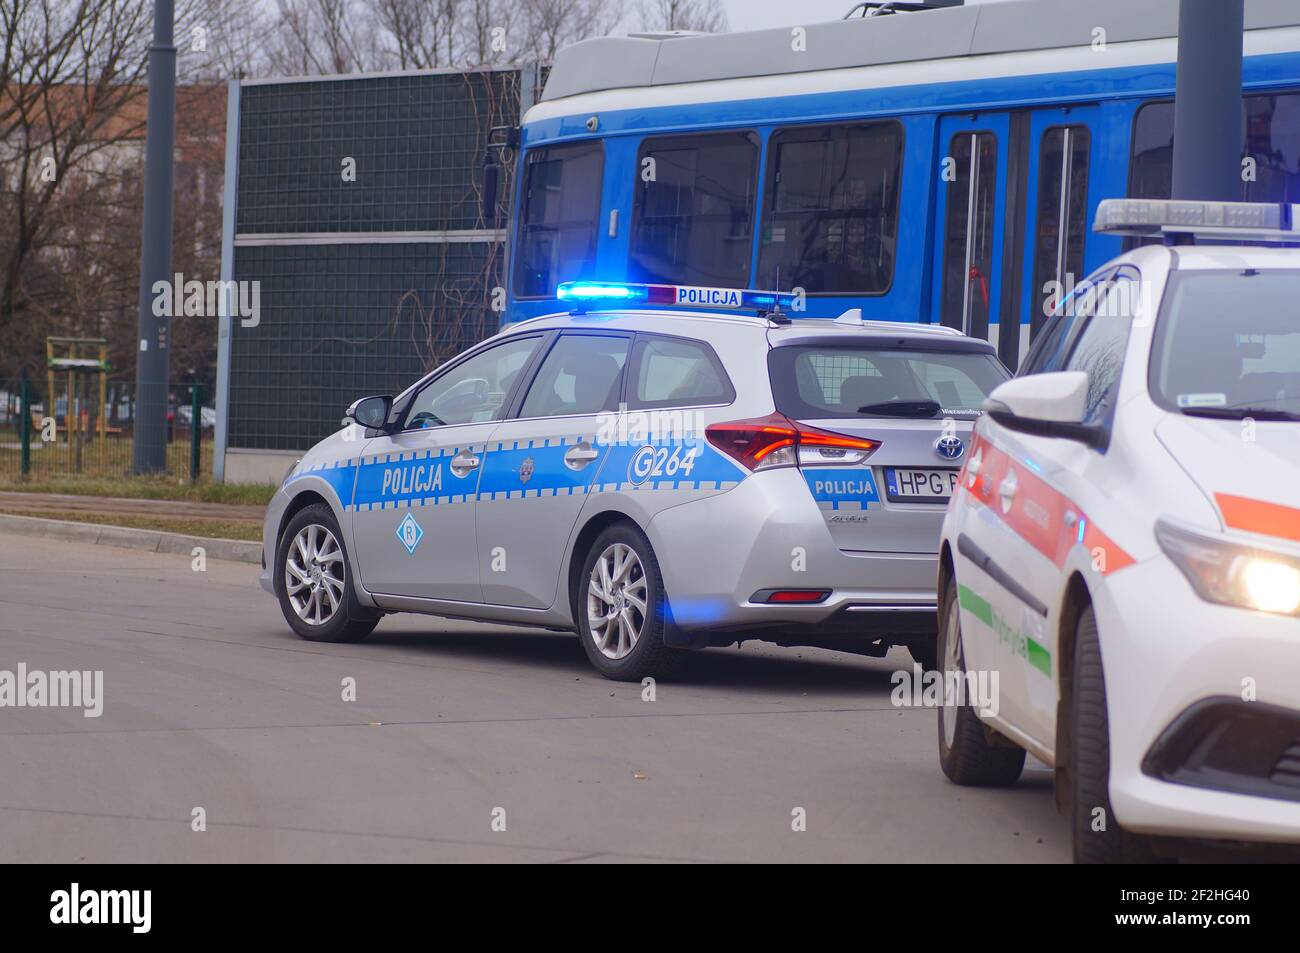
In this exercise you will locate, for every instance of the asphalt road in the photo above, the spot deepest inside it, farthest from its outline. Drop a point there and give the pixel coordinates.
(211, 702)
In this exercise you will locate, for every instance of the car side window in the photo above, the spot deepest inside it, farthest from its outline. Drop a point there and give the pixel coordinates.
(1048, 352)
(582, 374)
(474, 391)
(1099, 351)
(674, 372)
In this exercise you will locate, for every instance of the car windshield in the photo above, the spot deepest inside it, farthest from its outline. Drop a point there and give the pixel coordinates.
(1228, 345)
(814, 381)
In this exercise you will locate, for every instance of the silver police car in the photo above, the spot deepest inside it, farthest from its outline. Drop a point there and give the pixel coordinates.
(657, 480)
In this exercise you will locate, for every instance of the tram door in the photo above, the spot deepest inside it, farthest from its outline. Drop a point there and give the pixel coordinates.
(1060, 206)
(972, 219)
(1015, 210)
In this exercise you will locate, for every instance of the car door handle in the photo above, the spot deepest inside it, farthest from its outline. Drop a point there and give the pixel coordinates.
(463, 463)
(1007, 490)
(579, 455)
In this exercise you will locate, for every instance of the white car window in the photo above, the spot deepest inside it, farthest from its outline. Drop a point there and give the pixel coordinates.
(473, 391)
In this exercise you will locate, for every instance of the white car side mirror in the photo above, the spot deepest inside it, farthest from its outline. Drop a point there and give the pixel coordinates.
(1046, 405)
(1061, 397)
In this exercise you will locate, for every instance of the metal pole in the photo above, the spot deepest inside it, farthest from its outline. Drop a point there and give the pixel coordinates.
(1207, 106)
(196, 431)
(25, 427)
(150, 450)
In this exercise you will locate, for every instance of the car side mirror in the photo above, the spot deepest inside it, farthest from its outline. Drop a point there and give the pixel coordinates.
(371, 412)
(1046, 405)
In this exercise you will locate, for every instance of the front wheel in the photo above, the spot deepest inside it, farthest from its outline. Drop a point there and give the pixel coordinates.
(621, 608)
(314, 581)
(1098, 837)
(969, 753)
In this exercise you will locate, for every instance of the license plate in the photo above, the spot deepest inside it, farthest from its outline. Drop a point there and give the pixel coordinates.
(919, 486)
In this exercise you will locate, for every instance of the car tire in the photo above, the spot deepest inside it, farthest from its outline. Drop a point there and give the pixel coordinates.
(621, 621)
(314, 580)
(1089, 760)
(969, 753)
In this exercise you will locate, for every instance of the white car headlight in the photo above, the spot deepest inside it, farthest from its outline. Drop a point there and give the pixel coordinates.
(290, 472)
(1233, 574)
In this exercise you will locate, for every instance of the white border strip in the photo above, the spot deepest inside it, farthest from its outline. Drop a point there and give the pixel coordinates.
(221, 432)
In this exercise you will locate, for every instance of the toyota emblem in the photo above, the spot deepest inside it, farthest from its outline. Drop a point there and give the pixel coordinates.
(949, 447)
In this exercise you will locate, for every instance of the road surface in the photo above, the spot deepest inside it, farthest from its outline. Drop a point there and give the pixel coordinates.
(212, 708)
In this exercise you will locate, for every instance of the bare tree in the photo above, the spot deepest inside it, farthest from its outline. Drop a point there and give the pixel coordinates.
(554, 24)
(72, 117)
(71, 74)
(705, 16)
(222, 39)
(323, 37)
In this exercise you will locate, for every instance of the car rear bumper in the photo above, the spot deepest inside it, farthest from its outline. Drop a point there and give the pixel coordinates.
(768, 533)
(1210, 699)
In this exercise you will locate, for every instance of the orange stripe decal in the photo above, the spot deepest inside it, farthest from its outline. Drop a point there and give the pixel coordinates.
(1258, 516)
(1035, 511)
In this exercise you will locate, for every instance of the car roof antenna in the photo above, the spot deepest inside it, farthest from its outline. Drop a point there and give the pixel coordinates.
(776, 315)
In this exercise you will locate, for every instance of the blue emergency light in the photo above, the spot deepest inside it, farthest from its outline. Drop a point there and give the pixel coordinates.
(678, 295)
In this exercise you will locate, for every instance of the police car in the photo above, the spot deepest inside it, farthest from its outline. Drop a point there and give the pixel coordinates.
(1124, 549)
(655, 479)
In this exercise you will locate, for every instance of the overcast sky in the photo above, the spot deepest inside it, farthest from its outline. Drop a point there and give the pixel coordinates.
(760, 14)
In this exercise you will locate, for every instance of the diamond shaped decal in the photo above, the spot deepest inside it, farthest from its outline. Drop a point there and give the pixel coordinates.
(410, 533)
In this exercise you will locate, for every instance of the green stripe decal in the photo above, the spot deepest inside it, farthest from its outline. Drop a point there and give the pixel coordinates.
(1039, 657)
(975, 604)
(1035, 653)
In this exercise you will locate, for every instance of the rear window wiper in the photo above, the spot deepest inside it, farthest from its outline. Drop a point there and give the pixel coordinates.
(1240, 413)
(902, 408)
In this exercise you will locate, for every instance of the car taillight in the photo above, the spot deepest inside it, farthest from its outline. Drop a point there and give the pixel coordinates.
(763, 443)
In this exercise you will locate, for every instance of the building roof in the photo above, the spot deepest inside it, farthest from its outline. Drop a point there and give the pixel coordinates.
(1022, 25)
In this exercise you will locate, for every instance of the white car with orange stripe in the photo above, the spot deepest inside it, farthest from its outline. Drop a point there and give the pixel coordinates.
(1124, 548)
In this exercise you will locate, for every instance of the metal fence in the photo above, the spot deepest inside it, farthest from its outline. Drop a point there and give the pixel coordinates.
(79, 435)
(355, 208)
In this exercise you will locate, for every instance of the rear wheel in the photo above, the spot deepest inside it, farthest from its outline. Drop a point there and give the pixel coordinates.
(314, 580)
(969, 753)
(1098, 837)
(621, 608)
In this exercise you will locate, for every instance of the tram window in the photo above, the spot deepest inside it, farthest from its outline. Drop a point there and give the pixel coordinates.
(968, 232)
(1270, 137)
(692, 219)
(1151, 173)
(831, 209)
(558, 217)
(1058, 252)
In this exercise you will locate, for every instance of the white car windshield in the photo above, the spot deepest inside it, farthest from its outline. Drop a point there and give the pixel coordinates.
(1228, 345)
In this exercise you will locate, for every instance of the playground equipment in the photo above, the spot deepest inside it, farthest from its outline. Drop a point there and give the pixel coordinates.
(78, 363)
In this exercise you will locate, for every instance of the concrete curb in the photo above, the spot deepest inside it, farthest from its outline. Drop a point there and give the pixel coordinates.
(154, 541)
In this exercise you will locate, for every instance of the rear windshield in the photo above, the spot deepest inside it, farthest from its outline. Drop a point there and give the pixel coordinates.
(809, 381)
(1228, 344)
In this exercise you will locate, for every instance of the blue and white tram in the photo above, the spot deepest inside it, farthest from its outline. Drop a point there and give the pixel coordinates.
(938, 166)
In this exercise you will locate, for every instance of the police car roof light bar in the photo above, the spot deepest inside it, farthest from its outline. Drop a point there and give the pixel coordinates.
(589, 292)
(1230, 221)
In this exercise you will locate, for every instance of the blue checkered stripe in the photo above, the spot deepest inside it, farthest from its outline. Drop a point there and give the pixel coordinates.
(669, 465)
(523, 469)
